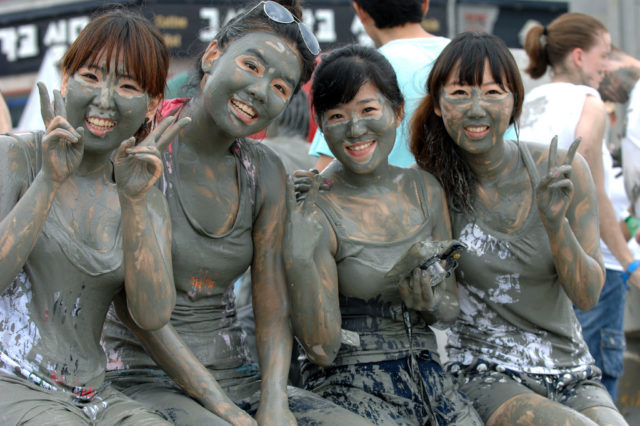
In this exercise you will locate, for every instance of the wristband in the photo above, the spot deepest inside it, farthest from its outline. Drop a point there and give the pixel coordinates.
(630, 270)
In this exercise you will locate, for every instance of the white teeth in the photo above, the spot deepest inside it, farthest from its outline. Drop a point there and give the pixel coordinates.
(101, 122)
(360, 147)
(477, 129)
(244, 108)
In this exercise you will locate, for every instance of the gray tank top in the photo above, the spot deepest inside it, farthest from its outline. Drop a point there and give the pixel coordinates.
(370, 303)
(205, 268)
(513, 308)
(52, 314)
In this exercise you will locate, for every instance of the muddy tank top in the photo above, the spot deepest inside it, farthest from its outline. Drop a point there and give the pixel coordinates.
(205, 268)
(52, 314)
(513, 308)
(370, 303)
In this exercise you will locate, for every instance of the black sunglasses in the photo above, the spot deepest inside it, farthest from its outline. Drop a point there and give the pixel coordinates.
(278, 13)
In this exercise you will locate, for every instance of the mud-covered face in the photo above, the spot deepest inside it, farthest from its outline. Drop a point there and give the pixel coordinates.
(111, 106)
(595, 61)
(475, 117)
(361, 132)
(250, 83)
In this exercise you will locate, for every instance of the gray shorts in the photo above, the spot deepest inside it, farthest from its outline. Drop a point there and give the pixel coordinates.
(490, 385)
(24, 402)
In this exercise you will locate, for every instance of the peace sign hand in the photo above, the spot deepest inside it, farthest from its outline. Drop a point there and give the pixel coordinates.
(303, 226)
(62, 147)
(555, 190)
(137, 168)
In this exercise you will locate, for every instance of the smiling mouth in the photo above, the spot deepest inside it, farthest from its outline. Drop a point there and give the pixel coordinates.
(99, 126)
(360, 149)
(476, 131)
(243, 111)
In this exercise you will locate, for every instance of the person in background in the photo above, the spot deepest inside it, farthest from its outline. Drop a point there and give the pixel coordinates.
(575, 47)
(620, 85)
(82, 225)
(395, 28)
(528, 215)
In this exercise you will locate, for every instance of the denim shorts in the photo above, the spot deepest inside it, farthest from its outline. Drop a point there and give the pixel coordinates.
(490, 385)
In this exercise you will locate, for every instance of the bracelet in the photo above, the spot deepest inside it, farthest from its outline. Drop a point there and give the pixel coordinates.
(630, 270)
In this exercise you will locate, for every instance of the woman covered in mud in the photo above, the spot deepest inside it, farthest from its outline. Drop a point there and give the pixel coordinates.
(226, 197)
(82, 224)
(365, 330)
(528, 214)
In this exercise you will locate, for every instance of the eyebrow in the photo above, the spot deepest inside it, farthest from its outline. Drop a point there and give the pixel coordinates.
(256, 52)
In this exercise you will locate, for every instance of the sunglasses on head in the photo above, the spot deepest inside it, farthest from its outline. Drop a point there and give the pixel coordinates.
(278, 13)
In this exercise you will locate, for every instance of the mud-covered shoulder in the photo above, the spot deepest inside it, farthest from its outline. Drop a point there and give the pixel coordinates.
(18, 154)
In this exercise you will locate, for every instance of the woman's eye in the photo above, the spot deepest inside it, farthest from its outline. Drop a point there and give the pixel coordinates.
(251, 66)
(369, 109)
(282, 89)
(336, 116)
(459, 92)
(89, 76)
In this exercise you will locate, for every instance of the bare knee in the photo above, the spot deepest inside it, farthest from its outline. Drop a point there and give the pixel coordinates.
(533, 409)
(605, 416)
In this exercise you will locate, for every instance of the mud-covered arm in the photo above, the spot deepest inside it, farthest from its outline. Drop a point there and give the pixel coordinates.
(146, 227)
(269, 295)
(445, 308)
(567, 204)
(23, 211)
(591, 128)
(176, 359)
(312, 277)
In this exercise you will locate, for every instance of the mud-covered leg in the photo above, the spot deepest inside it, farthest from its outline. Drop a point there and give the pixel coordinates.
(533, 409)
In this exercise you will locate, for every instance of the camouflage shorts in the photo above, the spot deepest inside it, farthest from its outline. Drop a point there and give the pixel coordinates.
(385, 393)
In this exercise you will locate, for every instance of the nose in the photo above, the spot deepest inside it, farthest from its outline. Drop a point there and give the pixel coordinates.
(259, 89)
(104, 98)
(476, 110)
(356, 128)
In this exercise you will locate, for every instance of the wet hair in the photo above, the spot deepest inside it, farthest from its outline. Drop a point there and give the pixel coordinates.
(345, 70)
(434, 150)
(387, 14)
(123, 32)
(254, 20)
(550, 45)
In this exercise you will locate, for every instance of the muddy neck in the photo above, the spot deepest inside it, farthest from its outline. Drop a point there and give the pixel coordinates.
(95, 165)
(203, 135)
(491, 166)
(375, 179)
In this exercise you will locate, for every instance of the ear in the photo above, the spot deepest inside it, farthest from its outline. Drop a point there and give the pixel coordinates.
(153, 107)
(400, 116)
(425, 7)
(210, 54)
(63, 84)
(436, 109)
(363, 16)
(576, 56)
